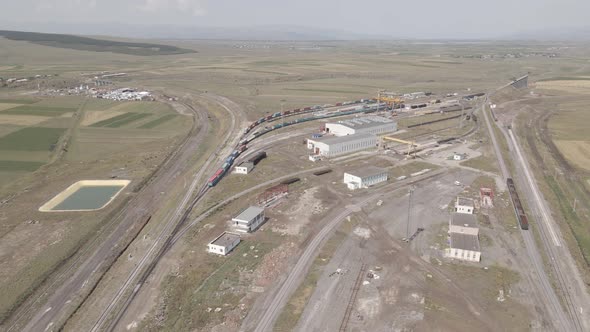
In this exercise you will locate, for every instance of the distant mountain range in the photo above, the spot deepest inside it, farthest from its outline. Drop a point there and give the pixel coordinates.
(279, 32)
(267, 32)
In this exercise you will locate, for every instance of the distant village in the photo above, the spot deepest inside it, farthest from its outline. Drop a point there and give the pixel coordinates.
(97, 86)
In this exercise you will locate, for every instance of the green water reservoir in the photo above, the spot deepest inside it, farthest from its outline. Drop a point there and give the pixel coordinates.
(88, 198)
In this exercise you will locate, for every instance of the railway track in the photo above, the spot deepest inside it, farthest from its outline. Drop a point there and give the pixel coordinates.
(549, 236)
(295, 276)
(125, 294)
(561, 320)
(93, 255)
(352, 300)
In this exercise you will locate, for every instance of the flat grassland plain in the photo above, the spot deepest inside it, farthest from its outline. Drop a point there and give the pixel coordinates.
(100, 138)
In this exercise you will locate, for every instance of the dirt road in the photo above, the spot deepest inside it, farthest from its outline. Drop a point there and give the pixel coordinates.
(279, 299)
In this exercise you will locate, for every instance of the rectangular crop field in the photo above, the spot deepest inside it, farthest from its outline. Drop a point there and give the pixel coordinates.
(38, 110)
(120, 120)
(5, 106)
(31, 139)
(14, 165)
(17, 101)
(158, 121)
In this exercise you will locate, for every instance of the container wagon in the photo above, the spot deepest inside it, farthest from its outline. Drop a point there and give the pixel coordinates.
(322, 172)
(290, 181)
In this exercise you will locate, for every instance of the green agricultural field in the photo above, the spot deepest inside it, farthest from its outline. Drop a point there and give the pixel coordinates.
(31, 139)
(158, 121)
(38, 110)
(16, 166)
(128, 120)
(120, 120)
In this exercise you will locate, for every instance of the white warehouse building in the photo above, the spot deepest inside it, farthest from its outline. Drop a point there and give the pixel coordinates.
(223, 244)
(463, 238)
(364, 125)
(249, 220)
(464, 247)
(335, 146)
(365, 177)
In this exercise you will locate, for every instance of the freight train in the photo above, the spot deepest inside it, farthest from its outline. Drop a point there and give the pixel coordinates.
(518, 209)
(242, 145)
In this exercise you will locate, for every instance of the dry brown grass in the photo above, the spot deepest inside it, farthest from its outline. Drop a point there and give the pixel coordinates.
(575, 86)
(21, 120)
(576, 152)
(7, 106)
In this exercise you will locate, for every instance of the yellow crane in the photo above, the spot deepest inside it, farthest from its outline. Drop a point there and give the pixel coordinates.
(411, 144)
(389, 98)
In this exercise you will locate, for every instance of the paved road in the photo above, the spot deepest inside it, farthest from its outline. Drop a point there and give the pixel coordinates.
(280, 298)
(538, 276)
(63, 294)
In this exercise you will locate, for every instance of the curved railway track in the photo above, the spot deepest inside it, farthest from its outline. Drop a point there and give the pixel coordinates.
(132, 284)
(92, 257)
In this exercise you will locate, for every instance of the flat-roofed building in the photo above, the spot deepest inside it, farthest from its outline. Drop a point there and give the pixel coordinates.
(224, 243)
(464, 205)
(464, 247)
(244, 168)
(463, 223)
(362, 125)
(365, 177)
(249, 220)
(331, 146)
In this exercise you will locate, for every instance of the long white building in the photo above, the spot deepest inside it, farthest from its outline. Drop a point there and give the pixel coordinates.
(335, 146)
(365, 177)
(363, 125)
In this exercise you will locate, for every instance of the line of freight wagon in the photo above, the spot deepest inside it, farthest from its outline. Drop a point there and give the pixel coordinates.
(359, 109)
(243, 144)
(523, 221)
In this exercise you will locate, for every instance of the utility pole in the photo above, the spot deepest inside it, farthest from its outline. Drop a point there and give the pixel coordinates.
(410, 194)
(462, 115)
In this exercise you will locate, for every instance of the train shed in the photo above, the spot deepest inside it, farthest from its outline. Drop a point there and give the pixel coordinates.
(363, 125)
(335, 146)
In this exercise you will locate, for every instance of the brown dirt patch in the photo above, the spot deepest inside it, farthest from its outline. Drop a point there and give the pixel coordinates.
(4, 106)
(21, 120)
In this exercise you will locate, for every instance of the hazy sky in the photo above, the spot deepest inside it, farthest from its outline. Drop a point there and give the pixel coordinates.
(410, 18)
